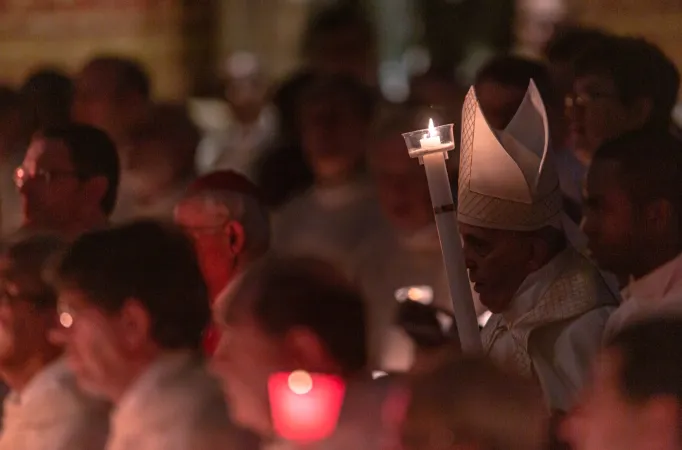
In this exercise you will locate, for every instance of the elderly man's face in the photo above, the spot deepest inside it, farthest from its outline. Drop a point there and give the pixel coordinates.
(498, 262)
(206, 223)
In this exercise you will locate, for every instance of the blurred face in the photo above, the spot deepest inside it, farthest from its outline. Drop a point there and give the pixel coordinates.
(609, 220)
(499, 102)
(605, 420)
(96, 343)
(94, 101)
(52, 194)
(23, 325)
(402, 185)
(498, 262)
(597, 113)
(207, 223)
(243, 361)
(334, 138)
(344, 52)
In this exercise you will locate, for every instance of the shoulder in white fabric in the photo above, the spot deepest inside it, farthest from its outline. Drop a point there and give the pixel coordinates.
(507, 178)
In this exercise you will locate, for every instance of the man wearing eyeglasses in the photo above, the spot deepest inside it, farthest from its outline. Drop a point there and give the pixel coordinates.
(68, 181)
(45, 409)
(621, 84)
(229, 226)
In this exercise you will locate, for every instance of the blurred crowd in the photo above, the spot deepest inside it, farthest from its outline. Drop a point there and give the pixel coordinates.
(160, 267)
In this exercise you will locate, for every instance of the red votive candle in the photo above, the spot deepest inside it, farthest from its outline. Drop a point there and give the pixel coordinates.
(305, 406)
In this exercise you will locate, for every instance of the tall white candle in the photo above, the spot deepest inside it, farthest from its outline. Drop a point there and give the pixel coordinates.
(432, 139)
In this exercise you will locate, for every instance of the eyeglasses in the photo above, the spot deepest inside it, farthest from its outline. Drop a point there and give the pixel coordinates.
(22, 175)
(585, 98)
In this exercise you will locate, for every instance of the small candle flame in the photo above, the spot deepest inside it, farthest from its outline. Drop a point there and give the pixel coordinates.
(300, 382)
(432, 128)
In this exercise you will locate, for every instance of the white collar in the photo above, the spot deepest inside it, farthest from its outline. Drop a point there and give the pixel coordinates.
(655, 285)
(137, 394)
(534, 286)
(39, 382)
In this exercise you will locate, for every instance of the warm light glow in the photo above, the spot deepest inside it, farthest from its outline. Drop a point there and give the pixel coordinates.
(66, 320)
(300, 382)
(432, 129)
(414, 294)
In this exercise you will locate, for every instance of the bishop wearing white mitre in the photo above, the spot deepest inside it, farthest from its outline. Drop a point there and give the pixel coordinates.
(549, 303)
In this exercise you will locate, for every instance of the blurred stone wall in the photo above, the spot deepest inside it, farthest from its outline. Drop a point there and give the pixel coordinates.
(64, 33)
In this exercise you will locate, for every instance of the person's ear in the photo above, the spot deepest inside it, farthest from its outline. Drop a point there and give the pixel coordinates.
(135, 323)
(97, 188)
(659, 216)
(237, 236)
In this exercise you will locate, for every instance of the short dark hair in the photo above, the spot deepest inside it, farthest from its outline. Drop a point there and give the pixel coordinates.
(150, 262)
(30, 256)
(517, 71)
(650, 355)
(649, 165)
(287, 292)
(638, 69)
(130, 75)
(47, 94)
(568, 43)
(360, 97)
(93, 154)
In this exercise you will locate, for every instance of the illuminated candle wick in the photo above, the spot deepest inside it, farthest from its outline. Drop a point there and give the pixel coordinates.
(300, 382)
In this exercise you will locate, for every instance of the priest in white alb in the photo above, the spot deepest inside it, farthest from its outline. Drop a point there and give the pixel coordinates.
(549, 303)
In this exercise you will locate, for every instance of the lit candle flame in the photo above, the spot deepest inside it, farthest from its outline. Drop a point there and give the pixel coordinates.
(432, 128)
(300, 382)
(66, 320)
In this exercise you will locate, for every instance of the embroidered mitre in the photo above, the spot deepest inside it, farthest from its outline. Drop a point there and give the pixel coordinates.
(507, 178)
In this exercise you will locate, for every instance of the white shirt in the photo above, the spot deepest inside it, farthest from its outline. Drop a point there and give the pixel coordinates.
(658, 293)
(327, 222)
(554, 326)
(174, 405)
(51, 413)
(238, 147)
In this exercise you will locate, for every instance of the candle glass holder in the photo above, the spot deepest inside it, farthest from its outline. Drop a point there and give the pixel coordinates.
(436, 139)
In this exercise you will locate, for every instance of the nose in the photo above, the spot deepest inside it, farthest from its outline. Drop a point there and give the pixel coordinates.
(219, 356)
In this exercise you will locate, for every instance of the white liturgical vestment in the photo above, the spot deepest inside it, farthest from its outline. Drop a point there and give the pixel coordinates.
(553, 328)
(327, 222)
(657, 294)
(174, 405)
(51, 413)
(554, 324)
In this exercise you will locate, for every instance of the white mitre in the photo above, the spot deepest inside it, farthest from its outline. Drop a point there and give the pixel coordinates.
(507, 179)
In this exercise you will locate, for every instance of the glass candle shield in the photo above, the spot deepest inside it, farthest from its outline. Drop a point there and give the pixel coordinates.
(430, 140)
